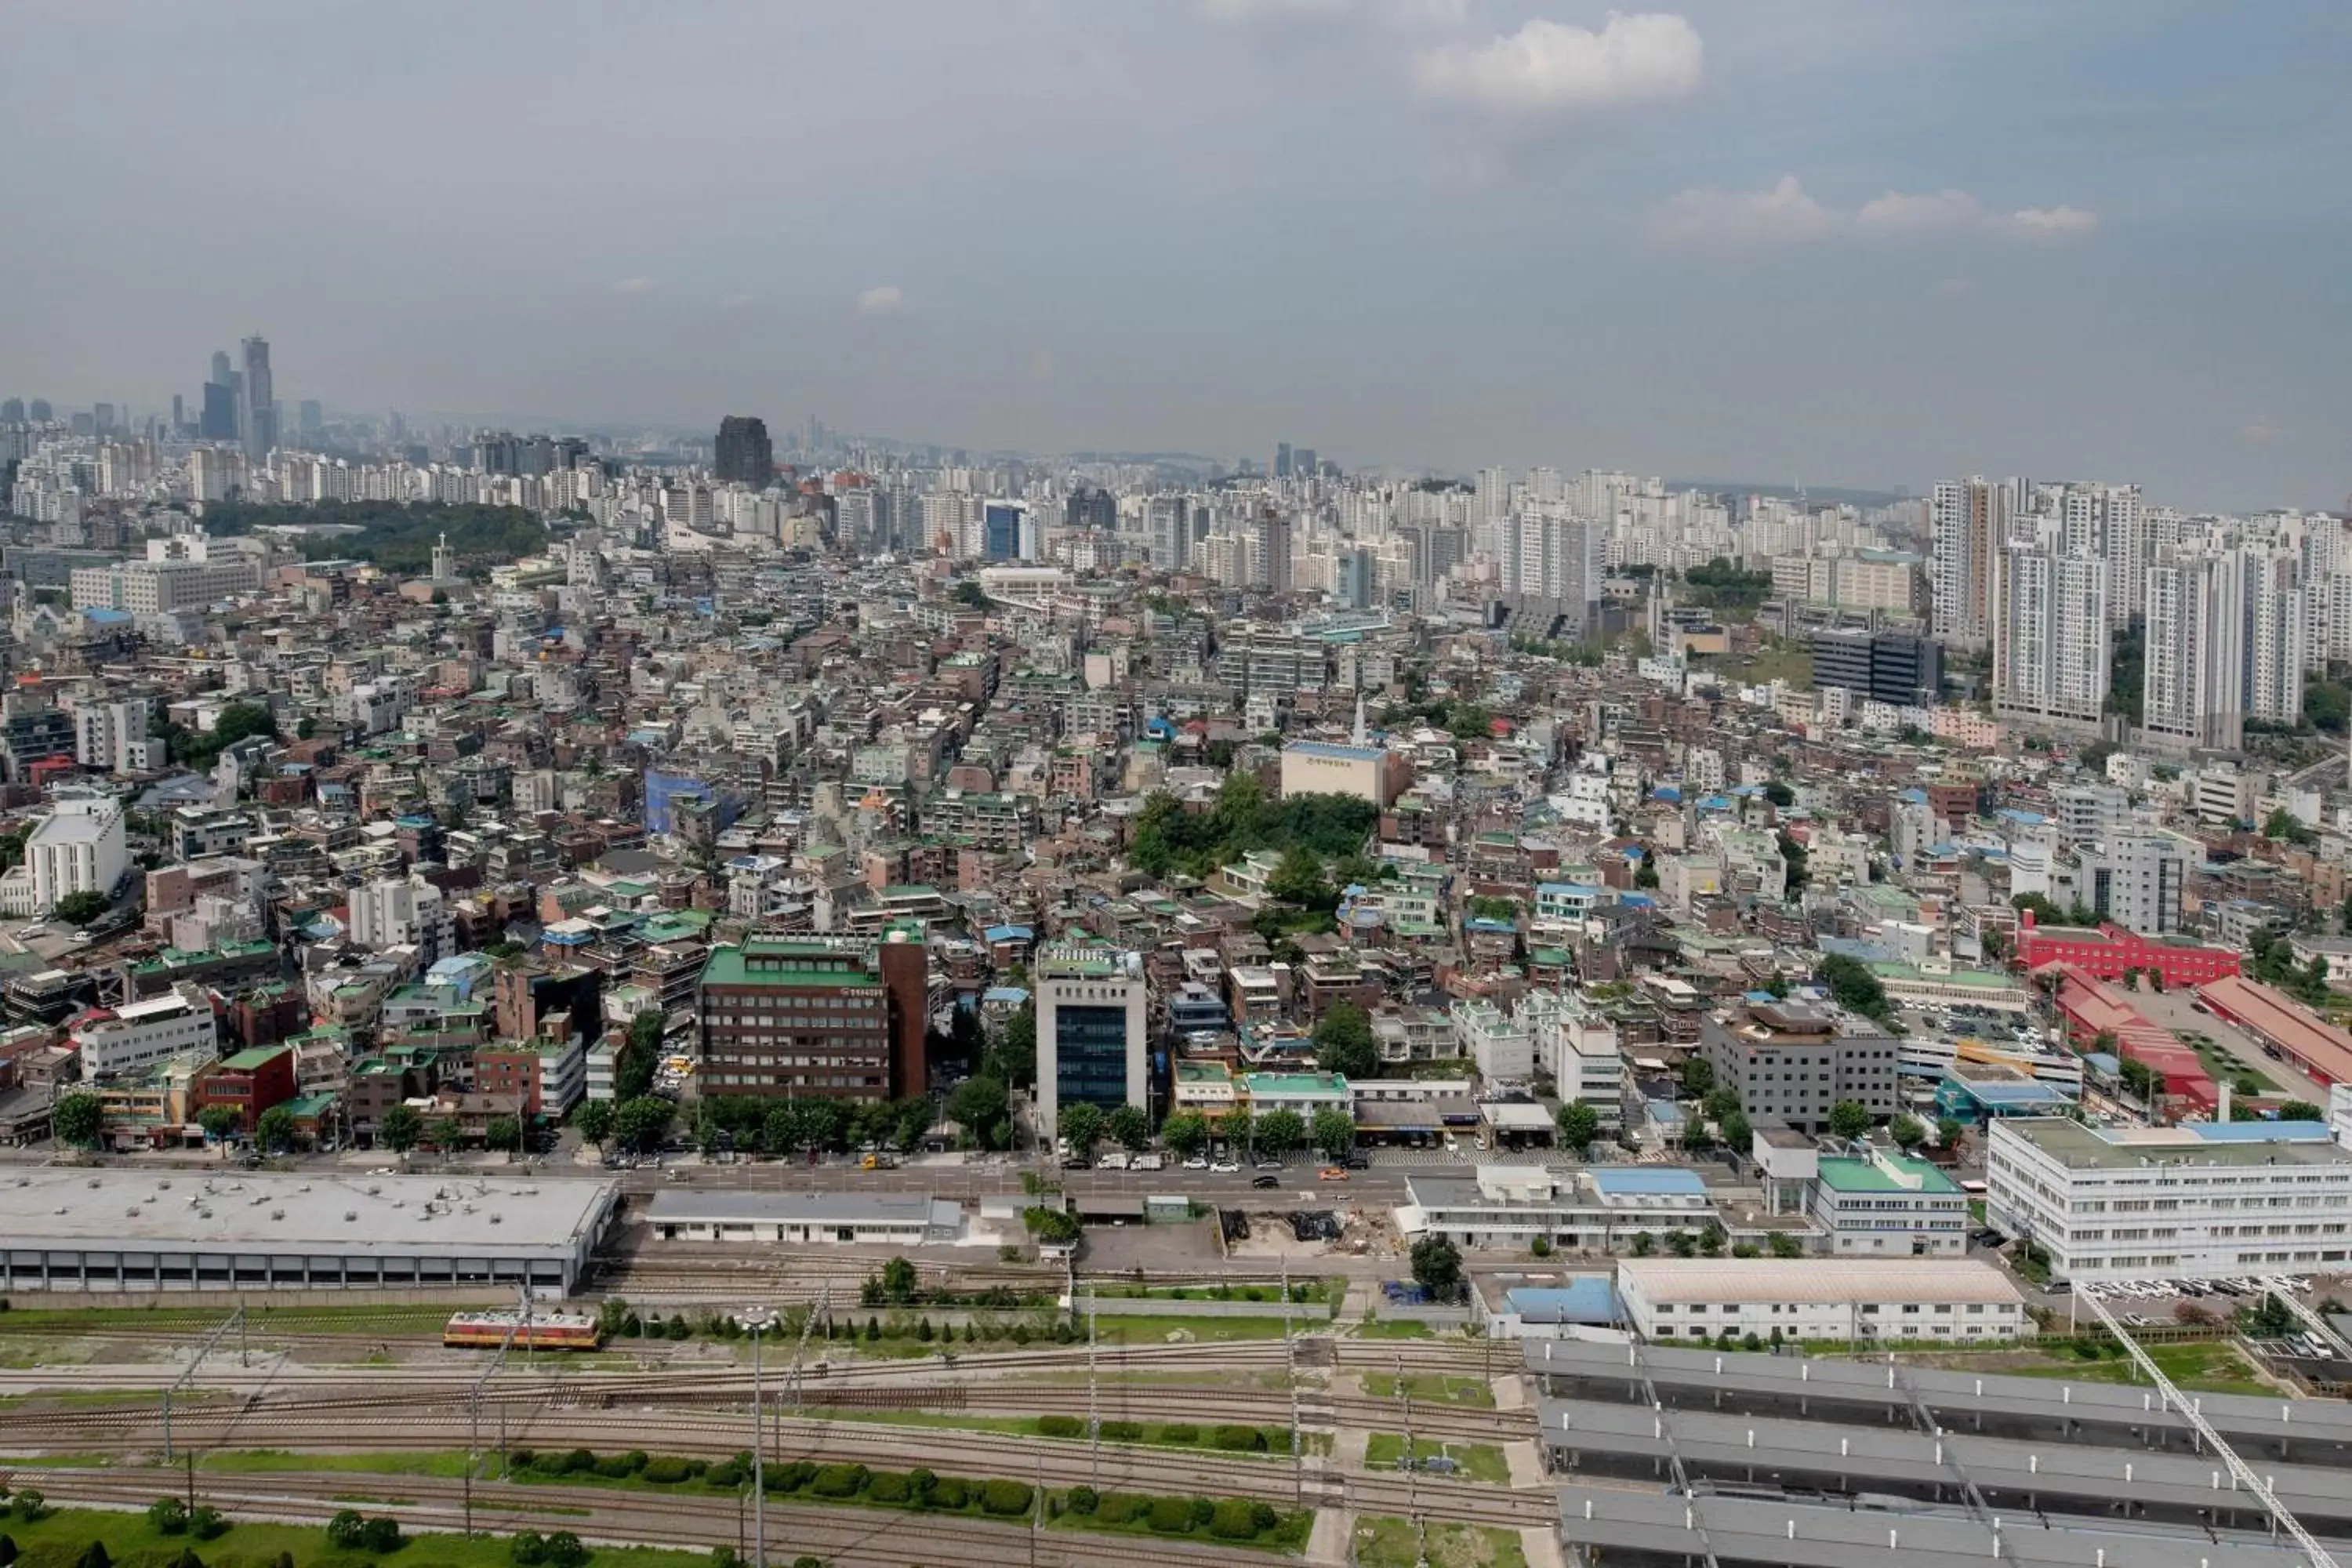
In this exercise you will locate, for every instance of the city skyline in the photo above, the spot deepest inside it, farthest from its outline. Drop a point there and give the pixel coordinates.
(2021, 239)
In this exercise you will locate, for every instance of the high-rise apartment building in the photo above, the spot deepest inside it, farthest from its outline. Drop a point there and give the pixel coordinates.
(2051, 635)
(260, 413)
(1091, 1033)
(2278, 646)
(1970, 520)
(744, 453)
(2195, 682)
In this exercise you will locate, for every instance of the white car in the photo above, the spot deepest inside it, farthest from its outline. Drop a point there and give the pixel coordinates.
(1227, 1167)
(1197, 1163)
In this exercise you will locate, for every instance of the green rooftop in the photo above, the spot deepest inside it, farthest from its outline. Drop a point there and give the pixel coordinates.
(252, 1059)
(1294, 1083)
(1889, 1174)
(780, 961)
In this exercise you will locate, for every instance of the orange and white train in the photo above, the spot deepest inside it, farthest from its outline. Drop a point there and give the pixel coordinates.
(544, 1331)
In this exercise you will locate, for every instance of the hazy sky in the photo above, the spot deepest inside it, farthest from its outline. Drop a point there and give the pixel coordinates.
(1840, 241)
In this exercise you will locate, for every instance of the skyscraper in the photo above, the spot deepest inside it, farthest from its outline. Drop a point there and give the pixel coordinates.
(1971, 523)
(2050, 633)
(2195, 684)
(1282, 460)
(744, 452)
(260, 428)
(39, 412)
(12, 411)
(313, 418)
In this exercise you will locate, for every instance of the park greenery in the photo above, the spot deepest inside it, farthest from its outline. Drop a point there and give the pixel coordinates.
(1171, 837)
(399, 538)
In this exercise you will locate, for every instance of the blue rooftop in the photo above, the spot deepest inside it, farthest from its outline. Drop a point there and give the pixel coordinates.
(1648, 1181)
(2260, 1132)
(1009, 995)
(1333, 749)
(1667, 792)
(1008, 933)
(1586, 1300)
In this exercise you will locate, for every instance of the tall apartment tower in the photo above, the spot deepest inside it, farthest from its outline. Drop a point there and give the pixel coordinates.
(260, 412)
(2196, 677)
(2050, 634)
(1970, 524)
(744, 453)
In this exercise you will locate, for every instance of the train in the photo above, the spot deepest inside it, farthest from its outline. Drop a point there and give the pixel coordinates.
(543, 1331)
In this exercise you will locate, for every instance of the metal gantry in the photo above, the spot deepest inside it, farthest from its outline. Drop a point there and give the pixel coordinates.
(235, 1319)
(1924, 1420)
(2189, 1412)
(1673, 1453)
(522, 1325)
(759, 1321)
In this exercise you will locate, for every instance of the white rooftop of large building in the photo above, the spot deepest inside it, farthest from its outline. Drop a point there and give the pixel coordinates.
(1816, 1280)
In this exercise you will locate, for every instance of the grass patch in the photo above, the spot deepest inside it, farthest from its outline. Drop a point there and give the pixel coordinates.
(1386, 1541)
(128, 1536)
(1112, 1331)
(1473, 1461)
(1432, 1388)
(1192, 1437)
(1394, 1329)
(447, 1463)
(2209, 1366)
(1302, 1293)
(1975, 1211)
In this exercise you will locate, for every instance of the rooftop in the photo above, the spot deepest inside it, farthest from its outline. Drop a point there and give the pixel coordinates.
(2081, 1148)
(1816, 1280)
(1886, 1173)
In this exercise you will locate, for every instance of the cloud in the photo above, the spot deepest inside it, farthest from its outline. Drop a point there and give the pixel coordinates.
(2048, 223)
(1895, 213)
(1784, 214)
(1549, 69)
(2261, 433)
(882, 300)
(640, 284)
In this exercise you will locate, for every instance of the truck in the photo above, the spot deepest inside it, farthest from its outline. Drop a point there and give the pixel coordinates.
(1145, 1162)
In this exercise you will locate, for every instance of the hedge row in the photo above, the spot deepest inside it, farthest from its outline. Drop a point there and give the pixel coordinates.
(839, 1483)
(1228, 1519)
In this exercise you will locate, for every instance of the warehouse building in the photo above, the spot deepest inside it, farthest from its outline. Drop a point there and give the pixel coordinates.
(1820, 1298)
(2172, 1203)
(136, 1232)
(806, 1219)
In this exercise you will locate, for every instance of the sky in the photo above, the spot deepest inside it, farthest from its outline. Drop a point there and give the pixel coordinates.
(1842, 242)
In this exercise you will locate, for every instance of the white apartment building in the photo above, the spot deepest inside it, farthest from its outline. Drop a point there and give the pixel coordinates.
(2050, 634)
(2196, 677)
(1500, 1047)
(1820, 1298)
(138, 1034)
(79, 847)
(404, 912)
(2171, 1202)
(1578, 1047)
(158, 587)
(113, 736)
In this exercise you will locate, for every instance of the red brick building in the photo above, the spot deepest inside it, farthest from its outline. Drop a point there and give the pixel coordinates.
(2105, 952)
(249, 1083)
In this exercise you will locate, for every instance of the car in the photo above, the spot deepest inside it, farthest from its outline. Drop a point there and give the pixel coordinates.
(1358, 1163)
(1332, 1173)
(1269, 1164)
(1197, 1163)
(1263, 1183)
(2198, 1007)
(1225, 1167)
(1075, 1163)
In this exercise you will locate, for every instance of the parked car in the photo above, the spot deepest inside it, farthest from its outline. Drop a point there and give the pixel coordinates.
(1197, 1163)
(1225, 1167)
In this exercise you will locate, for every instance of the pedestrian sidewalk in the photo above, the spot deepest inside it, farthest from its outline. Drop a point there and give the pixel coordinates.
(1527, 1464)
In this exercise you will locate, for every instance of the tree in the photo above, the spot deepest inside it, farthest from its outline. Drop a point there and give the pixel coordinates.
(448, 1134)
(1579, 1124)
(1344, 1042)
(1334, 1132)
(402, 1128)
(1299, 879)
(503, 1133)
(1949, 1130)
(220, 1122)
(595, 1120)
(1281, 1131)
(898, 1281)
(273, 1131)
(640, 1124)
(1130, 1126)
(346, 1529)
(1082, 1128)
(1737, 1136)
(1186, 1134)
(168, 1515)
(1698, 1076)
(78, 1118)
(1014, 1057)
(982, 1108)
(1437, 1267)
(639, 1057)
(1239, 1128)
(1908, 1132)
(1849, 1118)
(1853, 986)
(2301, 1110)
(1697, 1138)
(81, 909)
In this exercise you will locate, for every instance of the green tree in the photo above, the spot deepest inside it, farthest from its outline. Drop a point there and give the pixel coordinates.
(898, 1281)
(2301, 1110)
(402, 1128)
(1281, 1131)
(1344, 1042)
(503, 1133)
(1130, 1126)
(1853, 986)
(1437, 1267)
(220, 1122)
(81, 909)
(1015, 1054)
(1908, 1132)
(1698, 1076)
(982, 1108)
(1850, 1119)
(1579, 1124)
(639, 1057)
(1299, 879)
(273, 1131)
(1240, 1129)
(640, 1124)
(78, 1118)
(1186, 1134)
(595, 1120)
(1334, 1132)
(448, 1134)
(1696, 1136)
(1082, 1128)
(1949, 1130)
(1737, 1136)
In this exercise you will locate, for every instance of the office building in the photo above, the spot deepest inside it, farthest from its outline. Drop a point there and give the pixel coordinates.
(1894, 667)
(804, 1219)
(2200, 1199)
(743, 454)
(1605, 1209)
(1791, 1062)
(1363, 773)
(138, 1034)
(1820, 1298)
(816, 1018)
(1881, 1204)
(313, 419)
(1006, 533)
(2134, 876)
(218, 419)
(12, 410)
(1091, 1032)
(260, 426)
(79, 847)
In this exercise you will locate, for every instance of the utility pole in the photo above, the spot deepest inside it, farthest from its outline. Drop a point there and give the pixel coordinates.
(187, 1378)
(522, 1325)
(1291, 1377)
(1094, 1405)
(1412, 1472)
(759, 1320)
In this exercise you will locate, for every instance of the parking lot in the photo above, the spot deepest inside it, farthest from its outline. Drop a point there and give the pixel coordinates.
(2180, 1012)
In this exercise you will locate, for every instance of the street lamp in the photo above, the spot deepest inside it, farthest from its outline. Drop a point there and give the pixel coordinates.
(757, 1320)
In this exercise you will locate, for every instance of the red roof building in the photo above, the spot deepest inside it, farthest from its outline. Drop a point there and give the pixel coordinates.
(2108, 951)
(2279, 1023)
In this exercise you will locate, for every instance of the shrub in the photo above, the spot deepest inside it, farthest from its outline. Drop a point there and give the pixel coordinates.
(1180, 1432)
(1230, 1521)
(1171, 1515)
(1123, 1431)
(7, 1550)
(665, 1471)
(382, 1536)
(565, 1550)
(168, 1515)
(887, 1486)
(805, 1561)
(839, 1481)
(1084, 1501)
(206, 1523)
(1204, 1510)
(1006, 1498)
(527, 1549)
(187, 1559)
(1060, 1426)
(520, 1458)
(29, 1506)
(727, 1473)
(725, 1557)
(95, 1556)
(1239, 1439)
(636, 1459)
(615, 1468)
(1262, 1515)
(951, 1492)
(1252, 1293)
(1119, 1509)
(679, 1329)
(343, 1530)
(921, 1484)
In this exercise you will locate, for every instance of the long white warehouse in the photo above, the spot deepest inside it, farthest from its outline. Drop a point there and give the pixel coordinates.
(1881, 1299)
